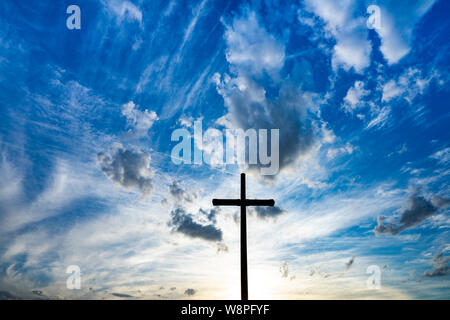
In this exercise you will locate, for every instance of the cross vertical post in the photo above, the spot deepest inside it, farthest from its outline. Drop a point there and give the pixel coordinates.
(243, 202)
(244, 275)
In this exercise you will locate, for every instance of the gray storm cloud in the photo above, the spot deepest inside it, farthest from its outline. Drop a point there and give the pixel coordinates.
(129, 169)
(267, 212)
(440, 267)
(202, 225)
(184, 223)
(418, 209)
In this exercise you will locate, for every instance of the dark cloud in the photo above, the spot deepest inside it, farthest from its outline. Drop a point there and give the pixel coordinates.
(349, 264)
(418, 209)
(38, 293)
(201, 225)
(440, 202)
(184, 223)
(264, 100)
(440, 267)
(267, 212)
(296, 134)
(5, 295)
(189, 292)
(121, 295)
(129, 169)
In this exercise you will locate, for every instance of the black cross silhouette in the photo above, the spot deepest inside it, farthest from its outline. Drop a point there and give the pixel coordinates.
(243, 202)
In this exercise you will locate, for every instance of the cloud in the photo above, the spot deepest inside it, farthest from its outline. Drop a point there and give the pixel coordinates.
(284, 270)
(139, 121)
(352, 100)
(202, 225)
(408, 85)
(382, 116)
(209, 215)
(352, 49)
(251, 48)
(349, 264)
(318, 271)
(418, 209)
(38, 293)
(189, 292)
(184, 223)
(244, 92)
(442, 156)
(121, 295)
(347, 24)
(129, 169)
(267, 212)
(124, 10)
(222, 247)
(334, 152)
(5, 295)
(179, 194)
(398, 19)
(440, 267)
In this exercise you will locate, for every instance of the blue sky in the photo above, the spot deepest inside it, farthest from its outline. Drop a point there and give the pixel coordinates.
(85, 144)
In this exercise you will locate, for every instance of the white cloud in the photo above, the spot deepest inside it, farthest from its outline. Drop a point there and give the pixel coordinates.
(124, 10)
(251, 51)
(391, 90)
(348, 26)
(67, 184)
(334, 152)
(251, 47)
(442, 156)
(398, 19)
(352, 49)
(352, 100)
(408, 85)
(140, 121)
(380, 119)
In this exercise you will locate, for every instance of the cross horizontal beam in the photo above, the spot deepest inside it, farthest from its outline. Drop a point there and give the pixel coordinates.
(244, 202)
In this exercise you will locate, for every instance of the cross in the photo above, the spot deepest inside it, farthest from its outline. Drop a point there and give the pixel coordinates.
(243, 202)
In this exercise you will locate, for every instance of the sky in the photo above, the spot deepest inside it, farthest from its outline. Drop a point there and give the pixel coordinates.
(87, 177)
